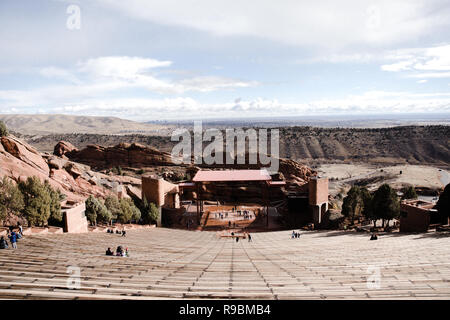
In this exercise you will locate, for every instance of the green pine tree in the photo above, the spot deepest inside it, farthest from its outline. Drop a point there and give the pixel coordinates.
(11, 199)
(38, 200)
(367, 205)
(113, 205)
(55, 204)
(353, 203)
(128, 211)
(443, 204)
(96, 211)
(150, 212)
(409, 193)
(385, 204)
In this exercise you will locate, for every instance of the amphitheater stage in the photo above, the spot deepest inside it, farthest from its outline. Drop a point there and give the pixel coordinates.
(179, 264)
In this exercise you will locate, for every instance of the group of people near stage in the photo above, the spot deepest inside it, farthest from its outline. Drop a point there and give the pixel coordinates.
(245, 213)
(220, 215)
(123, 232)
(119, 252)
(295, 234)
(246, 235)
(13, 237)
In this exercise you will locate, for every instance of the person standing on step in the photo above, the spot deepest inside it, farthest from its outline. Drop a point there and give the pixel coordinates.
(249, 238)
(13, 239)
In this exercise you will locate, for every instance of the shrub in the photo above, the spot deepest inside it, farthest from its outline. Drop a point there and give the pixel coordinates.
(113, 206)
(128, 210)
(37, 199)
(11, 198)
(118, 171)
(443, 204)
(136, 212)
(96, 210)
(409, 193)
(3, 129)
(150, 212)
(55, 204)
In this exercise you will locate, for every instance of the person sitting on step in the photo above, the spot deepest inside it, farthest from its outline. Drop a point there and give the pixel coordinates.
(109, 252)
(119, 251)
(374, 236)
(3, 243)
(20, 228)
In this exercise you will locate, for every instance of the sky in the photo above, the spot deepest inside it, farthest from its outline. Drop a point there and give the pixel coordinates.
(198, 59)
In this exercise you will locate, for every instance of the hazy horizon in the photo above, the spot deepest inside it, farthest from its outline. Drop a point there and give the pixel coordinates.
(16, 121)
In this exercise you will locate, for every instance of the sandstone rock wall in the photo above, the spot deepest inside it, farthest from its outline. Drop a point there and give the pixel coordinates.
(18, 161)
(124, 155)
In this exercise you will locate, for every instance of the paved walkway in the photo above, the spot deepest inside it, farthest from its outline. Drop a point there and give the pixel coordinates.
(167, 263)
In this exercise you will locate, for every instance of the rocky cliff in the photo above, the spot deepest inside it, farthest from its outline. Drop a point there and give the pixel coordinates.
(18, 161)
(124, 154)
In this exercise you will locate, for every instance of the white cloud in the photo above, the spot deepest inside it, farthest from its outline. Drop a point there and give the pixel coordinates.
(120, 67)
(435, 60)
(306, 23)
(103, 75)
(377, 102)
(399, 66)
(430, 75)
(342, 58)
(208, 83)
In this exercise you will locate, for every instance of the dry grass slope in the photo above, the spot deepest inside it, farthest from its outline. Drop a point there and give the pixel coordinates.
(50, 124)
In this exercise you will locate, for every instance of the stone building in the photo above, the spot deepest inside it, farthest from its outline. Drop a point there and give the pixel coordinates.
(318, 197)
(416, 215)
(161, 192)
(74, 217)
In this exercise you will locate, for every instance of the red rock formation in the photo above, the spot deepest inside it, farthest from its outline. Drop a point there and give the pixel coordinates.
(25, 153)
(124, 155)
(139, 156)
(19, 161)
(63, 147)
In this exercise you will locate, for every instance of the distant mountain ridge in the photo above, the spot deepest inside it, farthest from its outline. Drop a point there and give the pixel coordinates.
(412, 144)
(44, 124)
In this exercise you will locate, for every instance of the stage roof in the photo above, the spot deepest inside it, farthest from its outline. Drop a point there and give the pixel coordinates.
(231, 175)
